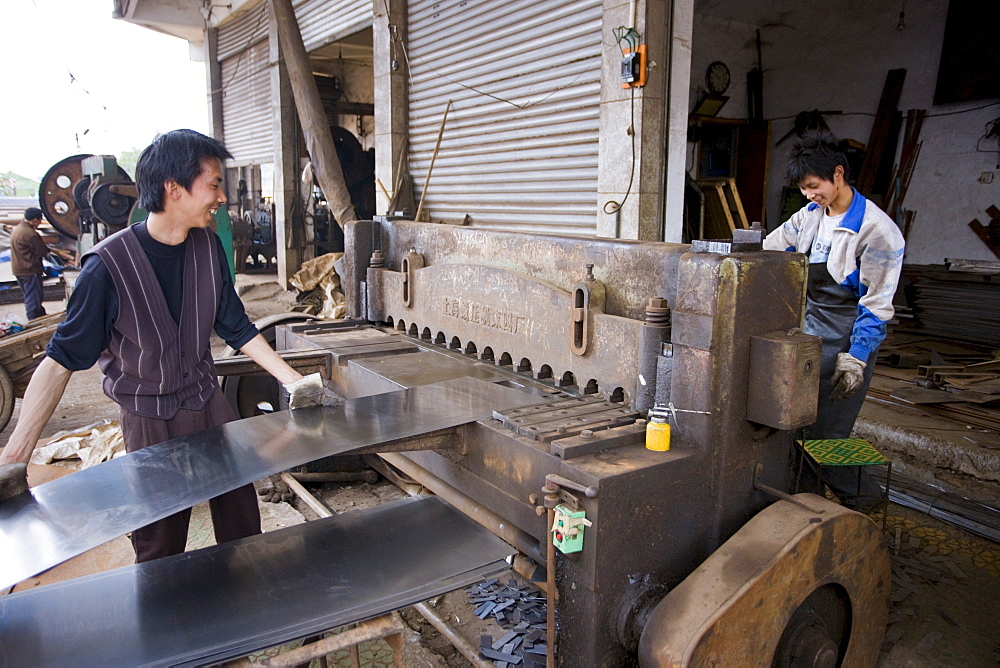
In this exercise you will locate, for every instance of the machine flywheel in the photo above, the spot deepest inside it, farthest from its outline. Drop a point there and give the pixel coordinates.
(792, 588)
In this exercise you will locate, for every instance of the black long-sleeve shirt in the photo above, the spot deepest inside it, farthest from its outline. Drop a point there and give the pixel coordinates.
(93, 307)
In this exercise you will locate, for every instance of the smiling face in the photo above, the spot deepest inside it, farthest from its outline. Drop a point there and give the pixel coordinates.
(827, 194)
(199, 204)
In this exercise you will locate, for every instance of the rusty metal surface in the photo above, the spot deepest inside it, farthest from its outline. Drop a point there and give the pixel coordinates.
(631, 271)
(513, 314)
(735, 607)
(784, 375)
(656, 515)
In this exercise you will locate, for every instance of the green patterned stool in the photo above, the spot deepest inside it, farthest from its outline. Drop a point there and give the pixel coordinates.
(845, 452)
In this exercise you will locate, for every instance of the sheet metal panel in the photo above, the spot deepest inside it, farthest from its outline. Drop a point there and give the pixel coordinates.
(322, 22)
(530, 167)
(228, 600)
(66, 517)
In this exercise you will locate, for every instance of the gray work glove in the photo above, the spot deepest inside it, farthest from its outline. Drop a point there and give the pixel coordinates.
(848, 376)
(310, 391)
(13, 480)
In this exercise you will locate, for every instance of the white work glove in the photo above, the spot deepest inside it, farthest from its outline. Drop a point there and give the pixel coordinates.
(310, 391)
(848, 376)
(13, 480)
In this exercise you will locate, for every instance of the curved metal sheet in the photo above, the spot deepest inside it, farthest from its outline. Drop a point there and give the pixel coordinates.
(68, 516)
(228, 600)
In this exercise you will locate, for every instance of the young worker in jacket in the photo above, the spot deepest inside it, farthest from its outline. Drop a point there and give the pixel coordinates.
(144, 306)
(855, 253)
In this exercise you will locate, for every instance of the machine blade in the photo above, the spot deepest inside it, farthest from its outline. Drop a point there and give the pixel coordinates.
(229, 600)
(68, 516)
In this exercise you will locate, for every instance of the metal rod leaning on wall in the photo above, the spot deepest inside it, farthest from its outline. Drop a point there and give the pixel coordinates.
(430, 168)
(319, 140)
(435, 620)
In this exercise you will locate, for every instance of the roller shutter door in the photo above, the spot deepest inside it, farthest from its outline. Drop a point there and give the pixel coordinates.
(530, 167)
(247, 102)
(323, 22)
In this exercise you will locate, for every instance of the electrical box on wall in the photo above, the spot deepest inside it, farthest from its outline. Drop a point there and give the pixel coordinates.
(634, 67)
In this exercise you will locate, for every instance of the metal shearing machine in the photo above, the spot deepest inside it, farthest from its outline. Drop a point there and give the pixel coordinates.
(513, 376)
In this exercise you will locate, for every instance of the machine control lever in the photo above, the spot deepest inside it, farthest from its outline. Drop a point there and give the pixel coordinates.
(758, 471)
(554, 486)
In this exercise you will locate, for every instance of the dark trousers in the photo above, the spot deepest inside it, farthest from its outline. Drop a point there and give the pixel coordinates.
(31, 288)
(234, 514)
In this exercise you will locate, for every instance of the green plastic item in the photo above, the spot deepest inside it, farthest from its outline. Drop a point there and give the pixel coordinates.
(224, 228)
(567, 529)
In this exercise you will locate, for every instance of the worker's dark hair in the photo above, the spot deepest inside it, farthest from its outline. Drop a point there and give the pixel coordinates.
(176, 155)
(32, 213)
(817, 154)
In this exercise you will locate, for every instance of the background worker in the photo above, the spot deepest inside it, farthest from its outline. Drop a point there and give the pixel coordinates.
(26, 252)
(855, 255)
(144, 306)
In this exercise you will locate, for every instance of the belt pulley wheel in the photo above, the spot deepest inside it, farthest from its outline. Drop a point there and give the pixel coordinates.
(62, 189)
(109, 206)
(55, 195)
(245, 392)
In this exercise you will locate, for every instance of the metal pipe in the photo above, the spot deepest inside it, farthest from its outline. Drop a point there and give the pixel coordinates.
(444, 628)
(550, 594)
(370, 477)
(373, 629)
(522, 540)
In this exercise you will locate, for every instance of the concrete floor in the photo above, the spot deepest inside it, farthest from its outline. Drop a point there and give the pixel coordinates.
(945, 581)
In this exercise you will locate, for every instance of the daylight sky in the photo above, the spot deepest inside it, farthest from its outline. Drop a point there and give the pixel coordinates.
(130, 84)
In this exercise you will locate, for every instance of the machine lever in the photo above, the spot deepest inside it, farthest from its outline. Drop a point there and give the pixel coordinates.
(758, 471)
(553, 481)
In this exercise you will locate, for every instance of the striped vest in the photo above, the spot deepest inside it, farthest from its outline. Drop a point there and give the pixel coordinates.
(153, 367)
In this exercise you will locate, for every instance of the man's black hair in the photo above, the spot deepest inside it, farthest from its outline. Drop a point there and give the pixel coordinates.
(817, 154)
(176, 155)
(32, 213)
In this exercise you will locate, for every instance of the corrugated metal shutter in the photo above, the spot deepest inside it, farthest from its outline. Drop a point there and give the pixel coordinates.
(247, 103)
(323, 22)
(532, 168)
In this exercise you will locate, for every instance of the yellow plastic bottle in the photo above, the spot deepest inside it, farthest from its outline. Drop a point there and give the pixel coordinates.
(658, 430)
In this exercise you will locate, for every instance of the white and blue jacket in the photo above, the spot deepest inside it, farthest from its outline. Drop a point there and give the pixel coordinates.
(864, 255)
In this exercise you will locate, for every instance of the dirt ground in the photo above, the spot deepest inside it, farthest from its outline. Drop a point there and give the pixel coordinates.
(945, 581)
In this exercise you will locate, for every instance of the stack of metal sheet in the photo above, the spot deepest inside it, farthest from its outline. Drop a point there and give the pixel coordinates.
(229, 600)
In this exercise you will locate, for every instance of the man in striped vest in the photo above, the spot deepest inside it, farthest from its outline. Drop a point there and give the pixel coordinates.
(144, 306)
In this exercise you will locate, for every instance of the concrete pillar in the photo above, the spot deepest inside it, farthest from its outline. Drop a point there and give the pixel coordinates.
(213, 72)
(391, 107)
(681, 26)
(642, 110)
(288, 220)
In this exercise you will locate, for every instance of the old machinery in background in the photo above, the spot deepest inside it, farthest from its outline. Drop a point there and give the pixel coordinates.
(358, 166)
(87, 198)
